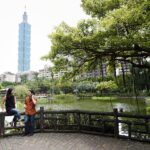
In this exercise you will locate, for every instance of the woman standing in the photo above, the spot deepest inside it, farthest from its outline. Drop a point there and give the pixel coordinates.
(30, 111)
(10, 104)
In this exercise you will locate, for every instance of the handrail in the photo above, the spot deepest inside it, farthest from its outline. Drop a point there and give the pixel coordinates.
(104, 123)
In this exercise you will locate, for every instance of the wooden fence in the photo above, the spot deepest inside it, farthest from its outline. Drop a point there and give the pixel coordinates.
(114, 124)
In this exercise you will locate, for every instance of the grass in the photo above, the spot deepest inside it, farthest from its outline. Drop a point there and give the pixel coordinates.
(65, 96)
(107, 98)
(20, 105)
(148, 110)
(42, 101)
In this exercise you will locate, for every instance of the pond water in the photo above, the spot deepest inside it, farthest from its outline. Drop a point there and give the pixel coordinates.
(128, 105)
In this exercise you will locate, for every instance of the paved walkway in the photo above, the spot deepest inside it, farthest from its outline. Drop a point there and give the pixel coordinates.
(68, 141)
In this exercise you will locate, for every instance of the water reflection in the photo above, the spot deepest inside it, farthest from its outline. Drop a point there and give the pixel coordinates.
(128, 105)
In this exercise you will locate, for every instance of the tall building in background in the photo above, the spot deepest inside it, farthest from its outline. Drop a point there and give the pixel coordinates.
(24, 45)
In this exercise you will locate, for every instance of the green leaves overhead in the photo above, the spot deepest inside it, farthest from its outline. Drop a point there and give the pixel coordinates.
(98, 8)
(120, 31)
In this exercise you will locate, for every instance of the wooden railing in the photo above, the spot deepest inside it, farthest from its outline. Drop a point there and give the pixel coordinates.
(115, 124)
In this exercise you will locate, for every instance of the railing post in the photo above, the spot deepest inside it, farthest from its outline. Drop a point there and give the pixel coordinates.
(78, 120)
(90, 122)
(116, 128)
(129, 130)
(146, 125)
(2, 124)
(41, 119)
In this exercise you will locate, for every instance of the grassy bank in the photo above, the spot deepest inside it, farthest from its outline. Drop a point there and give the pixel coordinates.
(106, 98)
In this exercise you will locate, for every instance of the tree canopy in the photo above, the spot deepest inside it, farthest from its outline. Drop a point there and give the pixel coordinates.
(119, 30)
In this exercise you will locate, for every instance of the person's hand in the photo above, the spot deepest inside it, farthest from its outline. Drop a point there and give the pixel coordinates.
(33, 96)
(3, 109)
(25, 106)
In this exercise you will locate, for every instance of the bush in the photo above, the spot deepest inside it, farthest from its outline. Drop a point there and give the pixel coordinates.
(21, 91)
(148, 110)
(65, 96)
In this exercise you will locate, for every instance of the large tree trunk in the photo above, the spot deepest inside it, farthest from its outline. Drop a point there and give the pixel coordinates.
(123, 74)
(115, 75)
(102, 71)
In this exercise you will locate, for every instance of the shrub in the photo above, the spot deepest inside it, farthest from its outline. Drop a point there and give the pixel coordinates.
(21, 91)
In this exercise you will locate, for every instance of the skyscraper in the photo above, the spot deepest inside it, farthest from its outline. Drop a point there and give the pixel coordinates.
(24, 45)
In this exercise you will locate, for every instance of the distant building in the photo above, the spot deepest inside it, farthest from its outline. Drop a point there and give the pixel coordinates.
(24, 45)
(99, 72)
(28, 75)
(45, 73)
(125, 67)
(60, 74)
(18, 78)
(8, 76)
(48, 74)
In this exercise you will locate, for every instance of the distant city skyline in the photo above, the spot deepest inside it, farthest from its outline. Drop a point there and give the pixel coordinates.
(24, 44)
(44, 16)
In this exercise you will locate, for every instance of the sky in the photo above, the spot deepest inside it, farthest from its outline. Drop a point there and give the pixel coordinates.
(44, 16)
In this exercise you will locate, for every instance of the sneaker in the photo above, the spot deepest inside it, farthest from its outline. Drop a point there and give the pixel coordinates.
(12, 124)
(31, 134)
(25, 134)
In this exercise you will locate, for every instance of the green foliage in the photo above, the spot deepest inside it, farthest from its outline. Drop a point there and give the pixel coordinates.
(86, 86)
(1, 86)
(105, 98)
(107, 85)
(23, 78)
(42, 101)
(65, 86)
(65, 96)
(39, 85)
(21, 91)
(20, 105)
(120, 33)
(7, 84)
(99, 7)
(148, 110)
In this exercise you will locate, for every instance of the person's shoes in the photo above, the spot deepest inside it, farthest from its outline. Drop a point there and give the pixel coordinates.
(25, 134)
(20, 123)
(31, 134)
(12, 124)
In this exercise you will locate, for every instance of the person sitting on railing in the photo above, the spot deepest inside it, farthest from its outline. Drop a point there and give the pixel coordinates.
(30, 111)
(10, 104)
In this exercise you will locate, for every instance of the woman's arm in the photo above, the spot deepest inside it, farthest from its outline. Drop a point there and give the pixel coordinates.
(3, 102)
(15, 100)
(34, 100)
(25, 106)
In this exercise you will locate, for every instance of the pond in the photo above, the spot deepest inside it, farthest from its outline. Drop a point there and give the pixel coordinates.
(94, 104)
(129, 105)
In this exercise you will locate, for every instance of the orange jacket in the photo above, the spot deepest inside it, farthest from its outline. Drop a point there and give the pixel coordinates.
(30, 106)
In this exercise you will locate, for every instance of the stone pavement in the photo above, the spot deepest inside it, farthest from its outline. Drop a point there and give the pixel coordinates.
(68, 141)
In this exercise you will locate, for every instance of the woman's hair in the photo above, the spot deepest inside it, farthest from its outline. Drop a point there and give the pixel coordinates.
(9, 92)
(32, 92)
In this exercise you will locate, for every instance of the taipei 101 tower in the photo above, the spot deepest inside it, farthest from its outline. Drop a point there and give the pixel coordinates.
(24, 45)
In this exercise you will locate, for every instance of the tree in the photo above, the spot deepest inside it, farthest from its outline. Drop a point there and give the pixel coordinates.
(119, 33)
(1, 86)
(107, 86)
(125, 26)
(6, 84)
(21, 91)
(24, 78)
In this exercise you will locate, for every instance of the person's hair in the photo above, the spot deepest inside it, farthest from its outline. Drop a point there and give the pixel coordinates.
(9, 92)
(32, 92)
